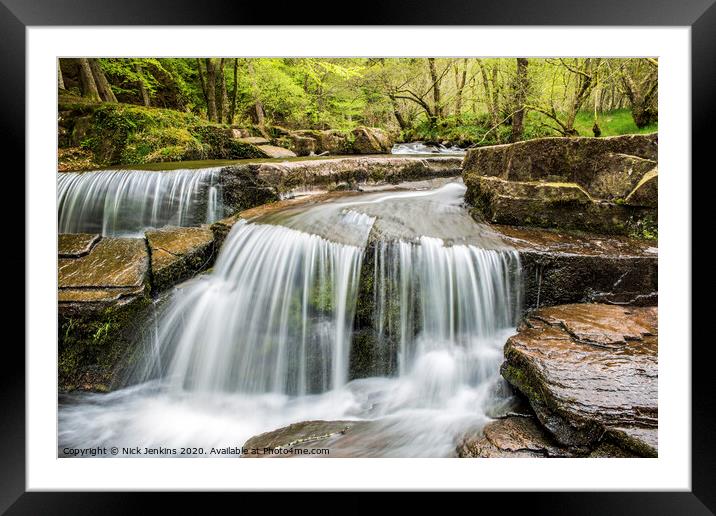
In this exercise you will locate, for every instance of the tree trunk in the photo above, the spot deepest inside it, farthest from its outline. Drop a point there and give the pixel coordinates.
(224, 103)
(232, 113)
(201, 81)
(140, 84)
(489, 97)
(211, 89)
(436, 89)
(103, 87)
(87, 84)
(520, 94)
(257, 111)
(460, 81)
(398, 115)
(60, 79)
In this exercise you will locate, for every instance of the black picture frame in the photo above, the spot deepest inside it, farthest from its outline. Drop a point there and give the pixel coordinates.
(700, 15)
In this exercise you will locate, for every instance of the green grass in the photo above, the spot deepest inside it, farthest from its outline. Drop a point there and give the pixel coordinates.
(477, 129)
(612, 123)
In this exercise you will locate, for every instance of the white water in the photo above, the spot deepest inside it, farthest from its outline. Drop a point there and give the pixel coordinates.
(423, 148)
(275, 316)
(125, 202)
(264, 340)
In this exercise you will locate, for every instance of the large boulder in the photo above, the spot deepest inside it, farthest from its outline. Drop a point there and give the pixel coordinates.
(302, 145)
(103, 289)
(589, 372)
(567, 183)
(179, 253)
(370, 140)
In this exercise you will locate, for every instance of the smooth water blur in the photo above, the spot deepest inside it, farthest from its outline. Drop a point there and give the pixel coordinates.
(264, 340)
(125, 202)
(275, 316)
(426, 148)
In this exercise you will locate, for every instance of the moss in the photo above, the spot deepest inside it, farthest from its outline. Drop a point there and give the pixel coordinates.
(122, 134)
(92, 343)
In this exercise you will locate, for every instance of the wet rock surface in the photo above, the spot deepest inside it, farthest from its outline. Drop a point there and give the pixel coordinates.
(576, 183)
(561, 267)
(290, 440)
(100, 296)
(76, 244)
(590, 372)
(253, 184)
(179, 253)
(512, 437)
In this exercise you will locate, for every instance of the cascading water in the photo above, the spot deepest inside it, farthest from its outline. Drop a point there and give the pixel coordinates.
(265, 339)
(425, 148)
(433, 298)
(274, 317)
(125, 202)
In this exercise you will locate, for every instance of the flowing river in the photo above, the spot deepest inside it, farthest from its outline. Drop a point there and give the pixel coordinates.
(270, 336)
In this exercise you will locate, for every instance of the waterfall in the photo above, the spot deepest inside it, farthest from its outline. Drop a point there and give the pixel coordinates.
(125, 202)
(275, 316)
(439, 309)
(267, 338)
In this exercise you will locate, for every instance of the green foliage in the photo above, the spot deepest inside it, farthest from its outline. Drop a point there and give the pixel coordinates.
(476, 102)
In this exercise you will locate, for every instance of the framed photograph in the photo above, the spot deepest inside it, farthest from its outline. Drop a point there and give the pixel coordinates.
(423, 255)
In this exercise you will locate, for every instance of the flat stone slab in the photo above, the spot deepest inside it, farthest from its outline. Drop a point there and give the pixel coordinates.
(74, 245)
(590, 373)
(112, 262)
(273, 151)
(254, 140)
(178, 253)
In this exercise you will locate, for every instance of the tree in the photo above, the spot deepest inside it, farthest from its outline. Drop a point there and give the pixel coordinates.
(232, 111)
(460, 79)
(103, 87)
(580, 76)
(640, 83)
(210, 89)
(88, 87)
(257, 108)
(520, 86)
(435, 80)
(60, 80)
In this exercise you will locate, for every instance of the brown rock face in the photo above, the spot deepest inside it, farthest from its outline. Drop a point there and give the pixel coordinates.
(590, 373)
(103, 288)
(112, 263)
(512, 436)
(560, 267)
(577, 183)
(74, 245)
(179, 253)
